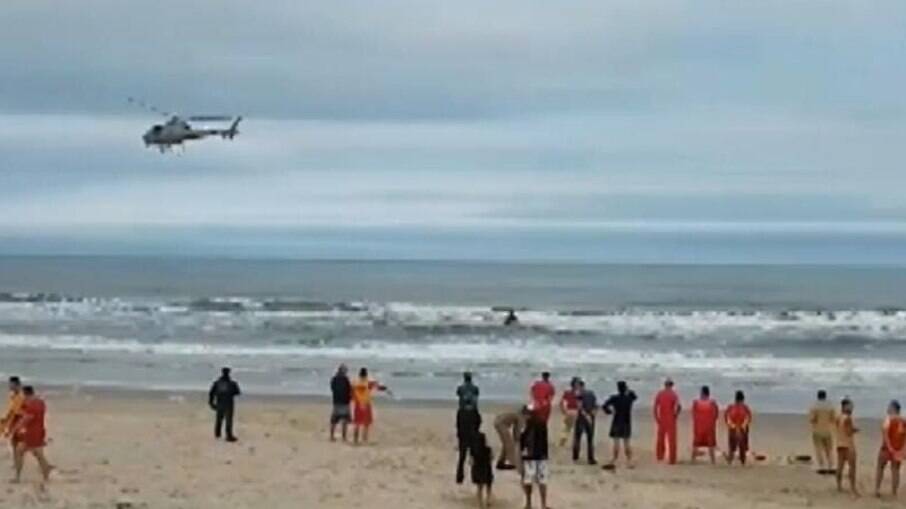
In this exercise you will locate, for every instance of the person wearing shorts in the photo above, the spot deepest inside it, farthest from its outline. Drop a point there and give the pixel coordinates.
(893, 449)
(363, 415)
(534, 447)
(13, 412)
(619, 405)
(705, 414)
(341, 391)
(821, 418)
(738, 417)
(846, 445)
(32, 435)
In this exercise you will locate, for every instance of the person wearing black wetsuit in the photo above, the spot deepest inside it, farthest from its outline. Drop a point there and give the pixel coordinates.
(222, 399)
(620, 406)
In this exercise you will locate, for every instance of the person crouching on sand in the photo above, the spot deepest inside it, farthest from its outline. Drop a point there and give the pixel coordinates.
(362, 411)
(482, 472)
(846, 445)
(509, 426)
(32, 434)
(893, 448)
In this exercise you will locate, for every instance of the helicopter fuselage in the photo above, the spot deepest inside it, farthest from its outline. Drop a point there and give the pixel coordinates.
(176, 131)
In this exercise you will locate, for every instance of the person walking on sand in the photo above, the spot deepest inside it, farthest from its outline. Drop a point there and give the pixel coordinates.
(362, 411)
(738, 417)
(893, 448)
(534, 449)
(222, 399)
(32, 434)
(468, 422)
(822, 418)
(569, 407)
(620, 406)
(12, 413)
(341, 391)
(482, 472)
(667, 409)
(705, 414)
(585, 423)
(509, 426)
(846, 445)
(543, 393)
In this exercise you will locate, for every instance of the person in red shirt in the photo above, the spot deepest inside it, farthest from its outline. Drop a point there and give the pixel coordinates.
(666, 410)
(32, 434)
(543, 396)
(705, 414)
(738, 417)
(569, 406)
(893, 449)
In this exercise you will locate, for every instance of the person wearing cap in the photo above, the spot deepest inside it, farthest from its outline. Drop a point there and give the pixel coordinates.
(468, 421)
(222, 399)
(341, 391)
(666, 411)
(893, 448)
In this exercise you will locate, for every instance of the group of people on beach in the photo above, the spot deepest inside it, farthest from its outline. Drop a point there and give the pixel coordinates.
(523, 433)
(22, 424)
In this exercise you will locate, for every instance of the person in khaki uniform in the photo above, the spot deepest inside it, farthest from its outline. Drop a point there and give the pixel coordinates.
(823, 420)
(509, 426)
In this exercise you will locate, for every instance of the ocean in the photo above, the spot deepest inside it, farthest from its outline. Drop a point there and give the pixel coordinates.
(777, 332)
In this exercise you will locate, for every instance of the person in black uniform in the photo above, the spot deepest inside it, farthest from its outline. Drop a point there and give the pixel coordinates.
(468, 421)
(222, 399)
(620, 406)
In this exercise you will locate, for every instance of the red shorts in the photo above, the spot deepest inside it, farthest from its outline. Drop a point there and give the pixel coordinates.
(705, 438)
(31, 439)
(362, 415)
(885, 455)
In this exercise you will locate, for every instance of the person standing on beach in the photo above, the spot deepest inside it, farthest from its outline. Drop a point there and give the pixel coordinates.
(705, 414)
(222, 399)
(32, 434)
(620, 406)
(543, 393)
(738, 417)
(846, 446)
(534, 448)
(569, 407)
(509, 426)
(341, 391)
(363, 413)
(667, 409)
(468, 422)
(893, 448)
(12, 413)
(585, 423)
(822, 417)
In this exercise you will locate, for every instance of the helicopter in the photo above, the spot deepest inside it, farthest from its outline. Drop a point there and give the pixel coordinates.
(177, 129)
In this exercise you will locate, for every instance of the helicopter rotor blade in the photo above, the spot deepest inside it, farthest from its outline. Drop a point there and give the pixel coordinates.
(210, 118)
(149, 107)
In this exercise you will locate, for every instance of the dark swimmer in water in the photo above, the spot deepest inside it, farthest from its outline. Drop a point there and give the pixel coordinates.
(511, 318)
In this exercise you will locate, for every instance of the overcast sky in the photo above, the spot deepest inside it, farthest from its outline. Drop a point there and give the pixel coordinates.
(363, 117)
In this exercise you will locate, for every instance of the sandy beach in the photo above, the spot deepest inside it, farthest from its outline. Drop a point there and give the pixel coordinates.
(155, 450)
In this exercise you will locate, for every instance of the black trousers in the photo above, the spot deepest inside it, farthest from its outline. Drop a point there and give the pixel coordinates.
(224, 417)
(468, 424)
(585, 426)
